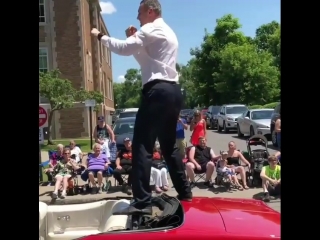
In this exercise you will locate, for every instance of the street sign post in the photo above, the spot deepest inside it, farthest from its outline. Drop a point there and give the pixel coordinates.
(41, 137)
(90, 103)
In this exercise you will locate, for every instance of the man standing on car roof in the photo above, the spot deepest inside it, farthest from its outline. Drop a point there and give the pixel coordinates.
(155, 47)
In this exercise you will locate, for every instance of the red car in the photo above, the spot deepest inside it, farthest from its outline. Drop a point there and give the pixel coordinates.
(203, 113)
(203, 218)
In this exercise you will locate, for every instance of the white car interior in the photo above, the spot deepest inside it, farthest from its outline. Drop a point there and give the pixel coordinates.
(65, 222)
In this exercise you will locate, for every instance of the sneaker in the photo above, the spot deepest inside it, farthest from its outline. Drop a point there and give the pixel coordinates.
(99, 190)
(63, 195)
(192, 184)
(208, 184)
(54, 195)
(266, 197)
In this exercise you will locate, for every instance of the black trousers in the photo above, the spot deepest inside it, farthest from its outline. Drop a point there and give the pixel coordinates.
(157, 118)
(124, 170)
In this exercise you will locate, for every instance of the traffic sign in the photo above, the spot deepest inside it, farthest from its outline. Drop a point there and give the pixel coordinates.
(43, 117)
(41, 137)
(90, 103)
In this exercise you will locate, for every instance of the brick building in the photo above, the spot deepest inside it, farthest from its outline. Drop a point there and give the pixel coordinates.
(65, 43)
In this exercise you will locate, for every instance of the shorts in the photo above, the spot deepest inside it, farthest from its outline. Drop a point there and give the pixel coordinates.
(227, 171)
(181, 145)
(203, 168)
(105, 173)
(274, 191)
(68, 175)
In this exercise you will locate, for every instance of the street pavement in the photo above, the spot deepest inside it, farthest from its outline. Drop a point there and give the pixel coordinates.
(215, 140)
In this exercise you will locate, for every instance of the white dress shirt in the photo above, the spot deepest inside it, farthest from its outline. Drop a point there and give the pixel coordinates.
(154, 46)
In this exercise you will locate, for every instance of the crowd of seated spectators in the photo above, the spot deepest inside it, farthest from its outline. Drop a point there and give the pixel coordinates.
(201, 159)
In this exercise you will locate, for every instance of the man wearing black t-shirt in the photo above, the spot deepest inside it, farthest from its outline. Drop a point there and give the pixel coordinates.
(124, 166)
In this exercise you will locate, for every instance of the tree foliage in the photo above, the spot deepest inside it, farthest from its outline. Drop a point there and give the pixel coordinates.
(128, 93)
(231, 67)
(61, 94)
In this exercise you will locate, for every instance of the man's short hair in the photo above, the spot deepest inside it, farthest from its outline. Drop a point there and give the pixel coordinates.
(152, 4)
(201, 137)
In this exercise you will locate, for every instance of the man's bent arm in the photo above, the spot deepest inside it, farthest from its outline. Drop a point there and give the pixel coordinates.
(147, 34)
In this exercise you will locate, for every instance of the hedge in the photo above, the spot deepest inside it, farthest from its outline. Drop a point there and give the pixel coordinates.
(269, 105)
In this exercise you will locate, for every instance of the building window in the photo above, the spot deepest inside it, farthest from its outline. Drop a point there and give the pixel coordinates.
(43, 60)
(110, 90)
(109, 58)
(42, 14)
(105, 91)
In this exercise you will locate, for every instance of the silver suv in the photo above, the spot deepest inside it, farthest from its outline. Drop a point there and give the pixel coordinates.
(228, 116)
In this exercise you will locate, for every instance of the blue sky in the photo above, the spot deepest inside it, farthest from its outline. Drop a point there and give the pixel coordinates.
(188, 18)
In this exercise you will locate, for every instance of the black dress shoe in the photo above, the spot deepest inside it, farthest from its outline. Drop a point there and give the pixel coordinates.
(186, 197)
(131, 210)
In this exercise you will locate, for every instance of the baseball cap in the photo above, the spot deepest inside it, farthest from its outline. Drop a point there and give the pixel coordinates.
(101, 118)
(126, 139)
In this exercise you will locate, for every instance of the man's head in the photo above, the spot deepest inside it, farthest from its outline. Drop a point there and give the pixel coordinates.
(149, 10)
(127, 143)
(202, 142)
(72, 144)
(101, 120)
(273, 160)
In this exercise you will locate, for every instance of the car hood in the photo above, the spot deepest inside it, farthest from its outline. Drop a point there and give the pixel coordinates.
(241, 217)
(121, 137)
(234, 115)
(264, 122)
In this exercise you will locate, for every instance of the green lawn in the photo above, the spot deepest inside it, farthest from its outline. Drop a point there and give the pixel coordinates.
(83, 144)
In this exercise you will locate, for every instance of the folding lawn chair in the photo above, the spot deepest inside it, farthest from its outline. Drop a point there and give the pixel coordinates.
(197, 176)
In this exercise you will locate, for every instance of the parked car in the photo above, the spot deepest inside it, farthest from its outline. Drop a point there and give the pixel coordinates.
(213, 112)
(255, 121)
(184, 113)
(115, 115)
(274, 117)
(227, 119)
(204, 113)
(190, 116)
(203, 218)
(126, 114)
(123, 128)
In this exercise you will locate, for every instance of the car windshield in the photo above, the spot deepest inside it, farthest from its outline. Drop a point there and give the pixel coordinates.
(123, 128)
(236, 110)
(127, 114)
(215, 110)
(264, 114)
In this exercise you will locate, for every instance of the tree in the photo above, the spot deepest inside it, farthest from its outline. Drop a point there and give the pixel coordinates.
(268, 39)
(247, 75)
(207, 59)
(128, 93)
(61, 94)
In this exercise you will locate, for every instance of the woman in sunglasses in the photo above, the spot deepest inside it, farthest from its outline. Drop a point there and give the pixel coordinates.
(64, 169)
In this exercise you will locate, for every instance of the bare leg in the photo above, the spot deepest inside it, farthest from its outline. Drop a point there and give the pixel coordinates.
(65, 184)
(243, 176)
(190, 171)
(57, 186)
(91, 179)
(100, 179)
(209, 172)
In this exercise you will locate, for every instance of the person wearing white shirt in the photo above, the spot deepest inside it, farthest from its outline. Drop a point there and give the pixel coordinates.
(76, 151)
(155, 47)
